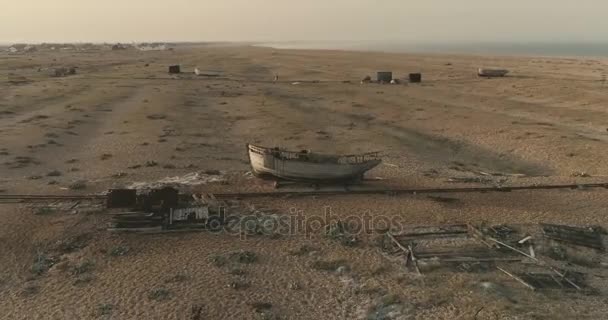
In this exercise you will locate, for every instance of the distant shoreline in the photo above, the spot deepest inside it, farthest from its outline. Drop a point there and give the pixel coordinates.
(574, 50)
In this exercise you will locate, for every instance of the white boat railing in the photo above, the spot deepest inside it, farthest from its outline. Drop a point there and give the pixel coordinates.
(306, 155)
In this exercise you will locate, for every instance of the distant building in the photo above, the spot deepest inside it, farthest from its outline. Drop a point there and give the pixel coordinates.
(118, 46)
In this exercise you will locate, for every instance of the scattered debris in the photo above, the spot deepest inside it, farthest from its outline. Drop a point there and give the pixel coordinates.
(447, 200)
(119, 46)
(518, 279)
(490, 73)
(63, 71)
(189, 180)
(470, 180)
(151, 47)
(534, 281)
(156, 116)
(78, 185)
(581, 174)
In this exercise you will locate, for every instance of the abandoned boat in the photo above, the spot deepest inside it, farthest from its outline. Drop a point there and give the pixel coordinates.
(308, 166)
(484, 72)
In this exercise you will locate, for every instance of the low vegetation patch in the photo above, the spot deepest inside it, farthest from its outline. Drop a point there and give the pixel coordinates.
(82, 268)
(180, 277)
(302, 250)
(385, 308)
(331, 265)
(41, 211)
(42, 263)
(104, 309)
(239, 285)
(159, 294)
(342, 233)
(242, 257)
(119, 251)
(73, 244)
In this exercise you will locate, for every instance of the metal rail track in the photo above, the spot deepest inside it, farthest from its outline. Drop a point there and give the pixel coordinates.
(394, 192)
(22, 198)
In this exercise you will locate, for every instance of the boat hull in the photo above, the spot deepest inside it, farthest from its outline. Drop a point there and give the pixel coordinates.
(292, 169)
(490, 73)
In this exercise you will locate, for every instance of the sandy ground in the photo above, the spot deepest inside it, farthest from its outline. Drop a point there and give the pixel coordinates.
(547, 120)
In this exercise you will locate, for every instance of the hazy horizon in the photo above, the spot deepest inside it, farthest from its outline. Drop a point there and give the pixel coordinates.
(434, 21)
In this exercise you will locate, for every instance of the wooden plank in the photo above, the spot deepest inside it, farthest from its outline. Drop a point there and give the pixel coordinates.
(479, 236)
(518, 279)
(400, 246)
(466, 259)
(414, 259)
(407, 252)
(514, 249)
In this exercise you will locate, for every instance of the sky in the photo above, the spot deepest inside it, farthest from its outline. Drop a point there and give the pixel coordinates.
(429, 21)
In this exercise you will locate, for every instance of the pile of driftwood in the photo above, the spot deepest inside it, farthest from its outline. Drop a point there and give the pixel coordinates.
(586, 237)
(469, 248)
(162, 210)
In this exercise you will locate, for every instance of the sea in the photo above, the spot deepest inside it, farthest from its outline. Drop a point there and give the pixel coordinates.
(564, 49)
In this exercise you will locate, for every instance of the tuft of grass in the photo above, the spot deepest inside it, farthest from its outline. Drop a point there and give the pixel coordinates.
(159, 294)
(54, 173)
(156, 116)
(380, 270)
(42, 263)
(243, 256)
(259, 306)
(82, 280)
(119, 251)
(151, 163)
(219, 261)
(180, 277)
(386, 307)
(237, 271)
(82, 268)
(104, 309)
(302, 250)
(341, 232)
(30, 290)
(78, 185)
(196, 312)
(74, 243)
(331, 265)
(239, 285)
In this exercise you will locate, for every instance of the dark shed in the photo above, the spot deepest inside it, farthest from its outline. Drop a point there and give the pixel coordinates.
(385, 76)
(174, 69)
(415, 77)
